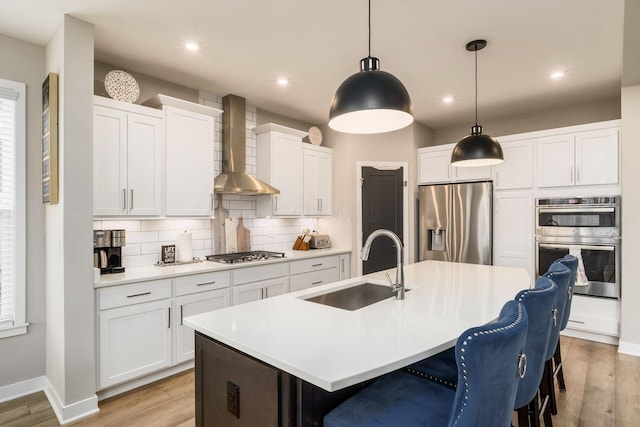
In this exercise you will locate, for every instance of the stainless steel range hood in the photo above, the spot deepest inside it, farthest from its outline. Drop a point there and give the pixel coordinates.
(234, 178)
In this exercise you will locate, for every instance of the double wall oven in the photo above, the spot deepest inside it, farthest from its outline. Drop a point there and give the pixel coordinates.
(588, 227)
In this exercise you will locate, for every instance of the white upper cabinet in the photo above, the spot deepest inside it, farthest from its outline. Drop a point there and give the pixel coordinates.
(317, 179)
(597, 157)
(555, 161)
(189, 171)
(517, 169)
(434, 166)
(581, 158)
(280, 164)
(128, 159)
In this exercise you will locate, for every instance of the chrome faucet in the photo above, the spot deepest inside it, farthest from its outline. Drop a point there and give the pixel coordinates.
(397, 287)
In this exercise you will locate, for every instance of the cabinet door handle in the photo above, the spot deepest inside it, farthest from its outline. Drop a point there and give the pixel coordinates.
(316, 265)
(168, 317)
(211, 201)
(181, 323)
(320, 205)
(316, 283)
(266, 292)
(342, 265)
(276, 208)
(124, 198)
(131, 203)
(139, 295)
(206, 283)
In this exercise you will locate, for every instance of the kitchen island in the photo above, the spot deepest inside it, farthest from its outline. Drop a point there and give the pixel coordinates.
(300, 348)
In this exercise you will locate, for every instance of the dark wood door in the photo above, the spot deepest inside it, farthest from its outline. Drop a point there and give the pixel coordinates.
(381, 208)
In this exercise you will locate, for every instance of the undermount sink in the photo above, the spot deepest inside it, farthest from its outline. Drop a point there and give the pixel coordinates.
(355, 297)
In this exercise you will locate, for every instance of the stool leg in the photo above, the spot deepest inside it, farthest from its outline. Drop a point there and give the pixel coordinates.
(534, 412)
(523, 416)
(557, 358)
(549, 389)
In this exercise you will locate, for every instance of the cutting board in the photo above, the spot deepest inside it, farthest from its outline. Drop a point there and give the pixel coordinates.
(230, 234)
(243, 237)
(219, 246)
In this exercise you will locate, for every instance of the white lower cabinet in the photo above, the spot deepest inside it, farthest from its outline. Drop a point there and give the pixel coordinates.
(190, 305)
(314, 278)
(598, 318)
(134, 340)
(140, 326)
(260, 290)
(314, 272)
(195, 294)
(513, 235)
(345, 266)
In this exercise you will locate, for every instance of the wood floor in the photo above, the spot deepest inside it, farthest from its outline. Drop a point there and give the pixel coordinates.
(603, 389)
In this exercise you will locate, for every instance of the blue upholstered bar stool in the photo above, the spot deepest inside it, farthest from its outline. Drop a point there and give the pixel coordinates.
(490, 360)
(540, 303)
(571, 262)
(561, 275)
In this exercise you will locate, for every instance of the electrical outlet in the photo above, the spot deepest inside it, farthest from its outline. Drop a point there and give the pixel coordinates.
(233, 399)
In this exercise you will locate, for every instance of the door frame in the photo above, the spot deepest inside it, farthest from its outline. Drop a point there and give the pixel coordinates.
(405, 204)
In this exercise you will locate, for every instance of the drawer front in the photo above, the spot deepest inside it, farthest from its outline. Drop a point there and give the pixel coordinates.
(314, 278)
(120, 296)
(312, 264)
(202, 282)
(261, 272)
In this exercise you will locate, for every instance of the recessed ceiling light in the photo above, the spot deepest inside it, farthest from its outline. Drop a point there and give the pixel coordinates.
(557, 74)
(191, 45)
(283, 82)
(447, 99)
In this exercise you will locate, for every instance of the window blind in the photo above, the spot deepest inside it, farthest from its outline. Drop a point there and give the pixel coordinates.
(7, 204)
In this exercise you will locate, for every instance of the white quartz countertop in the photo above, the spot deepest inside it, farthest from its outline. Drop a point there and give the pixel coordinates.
(153, 272)
(334, 348)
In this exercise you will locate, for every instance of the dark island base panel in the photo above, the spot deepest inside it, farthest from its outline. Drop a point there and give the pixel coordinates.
(237, 390)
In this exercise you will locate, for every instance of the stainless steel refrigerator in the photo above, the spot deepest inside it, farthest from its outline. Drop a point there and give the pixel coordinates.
(455, 222)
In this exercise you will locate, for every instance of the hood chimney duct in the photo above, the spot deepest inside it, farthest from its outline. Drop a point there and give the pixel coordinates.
(234, 178)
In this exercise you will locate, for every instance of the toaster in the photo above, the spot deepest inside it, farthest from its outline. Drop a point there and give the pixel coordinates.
(320, 241)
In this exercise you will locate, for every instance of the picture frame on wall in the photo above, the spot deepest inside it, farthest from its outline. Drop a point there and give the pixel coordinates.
(50, 139)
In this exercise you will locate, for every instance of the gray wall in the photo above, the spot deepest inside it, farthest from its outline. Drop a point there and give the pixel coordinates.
(597, 111)
(149, 86)
(630, 153)
(23, 356)
(348, 149)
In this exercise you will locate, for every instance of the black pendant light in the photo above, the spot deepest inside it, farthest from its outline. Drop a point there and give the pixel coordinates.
(477, 149)
(371, 101)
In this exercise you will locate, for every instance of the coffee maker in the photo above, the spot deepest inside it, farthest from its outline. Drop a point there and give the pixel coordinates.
(107, 250)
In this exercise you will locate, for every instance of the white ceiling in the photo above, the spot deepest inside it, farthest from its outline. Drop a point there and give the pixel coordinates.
(248, 45)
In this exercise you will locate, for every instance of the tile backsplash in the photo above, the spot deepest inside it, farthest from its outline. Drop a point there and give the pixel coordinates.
(145, 237)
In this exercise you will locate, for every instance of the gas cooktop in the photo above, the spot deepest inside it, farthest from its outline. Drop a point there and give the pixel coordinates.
(236, 257)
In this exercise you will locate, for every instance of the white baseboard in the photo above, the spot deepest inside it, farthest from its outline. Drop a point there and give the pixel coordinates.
(69, 413)
(23, 388)
(590, 336)
(629, 348)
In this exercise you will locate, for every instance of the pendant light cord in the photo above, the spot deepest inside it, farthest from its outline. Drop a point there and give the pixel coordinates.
(369, 27)
(476, 56)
